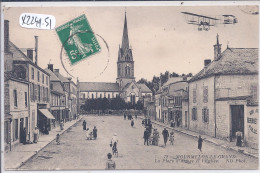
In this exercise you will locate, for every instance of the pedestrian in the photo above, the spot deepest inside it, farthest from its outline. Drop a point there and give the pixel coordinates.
(171, 138)
(58, 139)
(23, 136)
(165, 134)
(95, 133)
(239, 138)
(84, 124)
(36, 135)
(155, 137)
(136, 116)
(61, 125)
(150, 127)
(110, 165)
(87, 134)
(200, 140)
(132, 122)
(91, 136)
(113, 144)
(124, 116)
(146, 136)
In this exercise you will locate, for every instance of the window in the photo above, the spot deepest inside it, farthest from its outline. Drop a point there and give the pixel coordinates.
(205, 115)
(51, 86)
(38, 76)
(205, 94)
(32, 92)
(194, 113)
(32, 73)
(47, 94)
(254, 92)
(15, 98)
(178, 101)
(108, 96)
(194, 95)
(47, 83)
(15, 127)
(39, 93)
(100, 96)
(84, 96)
(119, 70)
(92, 96)
(105, 95)
(25, 99)
(43, 78)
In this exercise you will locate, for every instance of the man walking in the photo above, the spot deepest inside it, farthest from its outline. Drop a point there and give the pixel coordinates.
(165, 134)
(84, 125)
(146, 136)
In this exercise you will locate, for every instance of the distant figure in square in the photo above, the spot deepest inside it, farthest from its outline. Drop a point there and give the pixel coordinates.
(171, 138)
(136, 116)
(132, 122)
(84, 124)
(165, 134)
(239, 138)
(124, 116)
(58, 139)
(95, 133)
(90, 135)
(200, 140)
(110, 165)
(155, 137)
(36, 135)
(146, 136)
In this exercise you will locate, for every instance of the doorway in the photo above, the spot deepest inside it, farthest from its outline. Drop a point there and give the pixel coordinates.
(21, 129)
(186, 118)
(237, 119)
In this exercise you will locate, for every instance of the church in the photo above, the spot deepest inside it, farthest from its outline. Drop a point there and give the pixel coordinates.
(125, 86)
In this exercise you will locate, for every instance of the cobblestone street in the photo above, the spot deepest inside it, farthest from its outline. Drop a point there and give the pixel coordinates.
(75, 152)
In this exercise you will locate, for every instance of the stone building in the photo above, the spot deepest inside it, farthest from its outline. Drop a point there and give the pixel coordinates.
(223, 96)
(125, 86)
(57, 97)
(26, 91)
(171, 101)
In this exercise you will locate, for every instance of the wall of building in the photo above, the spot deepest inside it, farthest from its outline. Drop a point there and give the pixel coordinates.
(235, 85)
(88, 95)
(21, 111)
(198, 125)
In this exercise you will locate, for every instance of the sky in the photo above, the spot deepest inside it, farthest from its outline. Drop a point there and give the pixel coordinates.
(160, 38)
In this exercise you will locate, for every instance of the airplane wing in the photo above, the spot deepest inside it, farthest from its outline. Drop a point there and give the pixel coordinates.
(197, 15)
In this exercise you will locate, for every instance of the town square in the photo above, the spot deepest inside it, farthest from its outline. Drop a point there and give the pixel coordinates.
(131, 88)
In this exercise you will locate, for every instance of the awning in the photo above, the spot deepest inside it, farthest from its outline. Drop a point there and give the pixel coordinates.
(47, 113)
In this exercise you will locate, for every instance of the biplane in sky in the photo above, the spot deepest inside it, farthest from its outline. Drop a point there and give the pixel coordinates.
(205, 22)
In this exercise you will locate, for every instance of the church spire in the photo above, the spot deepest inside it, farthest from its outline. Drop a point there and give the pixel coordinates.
(125, 41)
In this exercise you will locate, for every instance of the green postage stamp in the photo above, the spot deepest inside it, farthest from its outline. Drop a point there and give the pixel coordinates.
(78, 39)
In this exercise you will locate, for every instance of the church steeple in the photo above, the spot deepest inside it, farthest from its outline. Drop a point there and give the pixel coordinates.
(125, 63)
(125, 41)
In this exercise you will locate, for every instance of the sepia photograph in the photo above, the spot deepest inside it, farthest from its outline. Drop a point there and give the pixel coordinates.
(130, 87)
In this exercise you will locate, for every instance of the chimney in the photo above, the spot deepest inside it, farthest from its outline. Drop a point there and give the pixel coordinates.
(207, 62)
(56, 70)
(50, 67)
(30, 54)
(6, 36)
(217, 50)
(36, 49)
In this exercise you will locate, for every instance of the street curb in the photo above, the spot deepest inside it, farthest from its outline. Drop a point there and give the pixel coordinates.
(22, 163)
(213, 142)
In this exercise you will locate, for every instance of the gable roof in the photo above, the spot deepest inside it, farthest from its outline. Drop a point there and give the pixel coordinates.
(98, 87)
(232, 61)
(57, 87)
(144, 88)
(53, 77)
(62, 78)
(19, 56)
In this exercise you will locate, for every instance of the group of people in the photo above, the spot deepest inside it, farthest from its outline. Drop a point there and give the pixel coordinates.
(153, 139)
(130, 117)
(90, 134)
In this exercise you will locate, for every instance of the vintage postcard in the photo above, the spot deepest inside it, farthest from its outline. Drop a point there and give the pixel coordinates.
(170, 86)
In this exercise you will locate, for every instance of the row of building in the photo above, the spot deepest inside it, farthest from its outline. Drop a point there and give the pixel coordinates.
(218, 101)
(33, 96)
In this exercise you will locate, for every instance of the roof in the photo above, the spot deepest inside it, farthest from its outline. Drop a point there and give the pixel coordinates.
(57, 87)
(232, 61)
(176, 79)
(62, 78)
(99, 86)
(144, 88)
(53, 77)
(18, 55)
